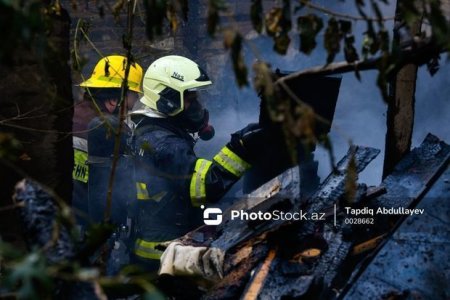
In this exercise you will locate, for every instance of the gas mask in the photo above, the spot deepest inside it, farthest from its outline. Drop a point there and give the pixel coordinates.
(195, 119)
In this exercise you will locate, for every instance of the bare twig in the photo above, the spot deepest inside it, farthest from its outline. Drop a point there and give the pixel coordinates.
(341, 15)
(5, 123)
(123, 107)
(10, 207)
(418, 54)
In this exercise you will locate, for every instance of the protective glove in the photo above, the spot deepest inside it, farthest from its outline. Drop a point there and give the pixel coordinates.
(248, 142)
(179, 259)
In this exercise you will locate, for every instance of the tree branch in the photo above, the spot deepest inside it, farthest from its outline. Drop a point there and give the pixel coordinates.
(418, 54)
(341, 15)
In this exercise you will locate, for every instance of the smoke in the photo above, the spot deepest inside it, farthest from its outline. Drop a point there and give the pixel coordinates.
(432, 105)
(360, 116)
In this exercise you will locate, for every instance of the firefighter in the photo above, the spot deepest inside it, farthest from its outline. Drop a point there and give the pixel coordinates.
(173, 183)
(99, 106)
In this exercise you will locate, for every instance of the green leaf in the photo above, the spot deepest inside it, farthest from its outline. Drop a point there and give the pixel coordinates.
(117, 8)
(378, 13)
(278, 24)
(350, 52)
(383, 38)
(233, 41)
(309, 26)
(30, 276)
(155, 11)
(439, 24)
(332, 39)
(8, 251)
(213, 21)
(154, 295)
(345, 26)
(256, 15)
(272, 21)
(96, 236)
(281, 44)
(9, 147)
(214, 7)
(408, 12)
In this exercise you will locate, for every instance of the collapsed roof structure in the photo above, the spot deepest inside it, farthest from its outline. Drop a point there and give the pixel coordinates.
(394, 254)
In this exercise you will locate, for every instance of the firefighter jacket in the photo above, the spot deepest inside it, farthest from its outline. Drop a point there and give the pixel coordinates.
(101, 141)
(172, 183)
(84, 112)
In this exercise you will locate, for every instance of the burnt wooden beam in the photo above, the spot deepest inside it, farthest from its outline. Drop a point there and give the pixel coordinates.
(414, 262)
(275, 232)
(406, 186)
(293, 278)
(413, 176)
(324, 276)
(401, 101)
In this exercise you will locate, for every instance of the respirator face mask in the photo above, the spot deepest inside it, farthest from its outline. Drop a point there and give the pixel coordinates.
(194, 117)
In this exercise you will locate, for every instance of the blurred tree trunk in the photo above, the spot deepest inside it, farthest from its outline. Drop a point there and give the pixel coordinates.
(36, 111)
(400, 112)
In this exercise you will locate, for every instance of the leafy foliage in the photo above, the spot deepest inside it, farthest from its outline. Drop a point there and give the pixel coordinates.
(30, 276)
(8, 146)
(332, 38)
(278, 24)
(233, 42)
(214, 7)
(309, 26)
(256, 14)
(156, 10)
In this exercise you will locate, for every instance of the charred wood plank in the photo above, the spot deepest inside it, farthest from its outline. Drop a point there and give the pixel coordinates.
(282, 191)
(414, 262)
(416, 171)
(239, 265)
(234, 233)
(254, 289)
(333, 188)
(328, 193)
(411, 179)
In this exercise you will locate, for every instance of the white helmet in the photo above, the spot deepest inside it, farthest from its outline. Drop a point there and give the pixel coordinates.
(166, 80)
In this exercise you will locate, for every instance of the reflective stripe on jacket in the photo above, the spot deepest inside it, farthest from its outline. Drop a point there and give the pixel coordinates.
(172, 182)
(80, 168)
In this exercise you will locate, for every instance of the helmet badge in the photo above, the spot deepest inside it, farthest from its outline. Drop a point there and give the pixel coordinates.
(177, 76)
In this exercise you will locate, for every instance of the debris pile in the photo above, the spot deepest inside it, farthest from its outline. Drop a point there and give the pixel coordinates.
(332, 256)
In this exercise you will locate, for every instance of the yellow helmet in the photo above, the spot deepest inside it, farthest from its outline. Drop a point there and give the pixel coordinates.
(109, 72)
(166, 80)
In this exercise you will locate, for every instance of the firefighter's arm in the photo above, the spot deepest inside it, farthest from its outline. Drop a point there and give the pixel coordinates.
(211, 179)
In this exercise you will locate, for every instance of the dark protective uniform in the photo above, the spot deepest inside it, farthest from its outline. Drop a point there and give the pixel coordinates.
(101, 140)
(172, 183)
(84, 112)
